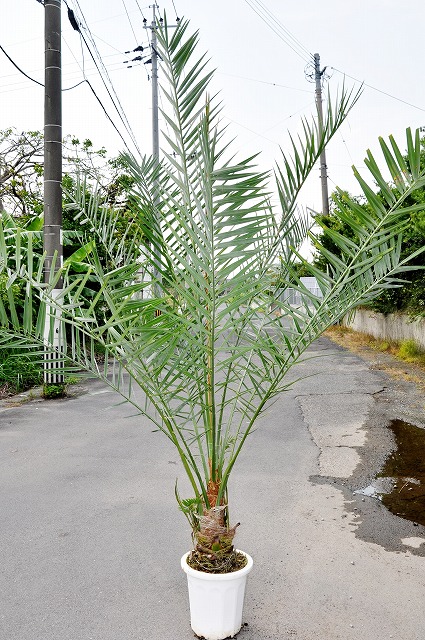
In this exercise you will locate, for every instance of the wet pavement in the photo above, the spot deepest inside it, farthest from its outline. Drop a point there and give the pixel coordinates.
(405, 470)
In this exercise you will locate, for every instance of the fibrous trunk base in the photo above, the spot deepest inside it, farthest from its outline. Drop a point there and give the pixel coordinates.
(211, 563)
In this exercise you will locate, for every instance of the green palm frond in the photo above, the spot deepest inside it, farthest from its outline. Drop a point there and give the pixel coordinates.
(204, 356)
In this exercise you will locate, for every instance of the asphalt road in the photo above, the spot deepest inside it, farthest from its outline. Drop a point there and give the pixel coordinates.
(91, 538)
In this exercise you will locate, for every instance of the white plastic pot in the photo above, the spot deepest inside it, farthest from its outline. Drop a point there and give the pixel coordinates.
(216, 600)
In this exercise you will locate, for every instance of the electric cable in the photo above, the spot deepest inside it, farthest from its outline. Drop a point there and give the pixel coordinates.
(74, 86)
(32, 79)
(385, 93)
(260, 135)
(19, 69)
(86, 27)
(147, 32)
(290, 116)
(123, 117)
(274, 84)
(346, 146)
(140, 8)
(66, 74)
(280, 31)
(107, 44)
(21, 86)
(281, 26)
(120, 111)
(108, 116)
(97, 97)
(175, 10)
(64, 71)
(134, 33)
(131, 24)
(68, 89)
(144, 21)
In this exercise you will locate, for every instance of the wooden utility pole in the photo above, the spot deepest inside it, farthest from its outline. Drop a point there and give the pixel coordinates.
(323, 167)
(52, 236)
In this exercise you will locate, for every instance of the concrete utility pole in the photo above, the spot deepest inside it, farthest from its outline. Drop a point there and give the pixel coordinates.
(154, 61)
(52, 237)
(155, 125)
(323, 166)
(155, 133)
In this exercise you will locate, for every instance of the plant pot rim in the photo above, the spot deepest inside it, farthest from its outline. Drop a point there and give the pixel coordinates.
(218, 577)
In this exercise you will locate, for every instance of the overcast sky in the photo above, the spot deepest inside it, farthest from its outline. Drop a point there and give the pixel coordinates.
(262, 80)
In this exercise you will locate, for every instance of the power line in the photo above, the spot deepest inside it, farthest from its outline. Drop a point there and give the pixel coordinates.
(144, 22)
(88, 73)
(348, 150)
(385, 93)
(148, 32)
(96, 96)
(68, 64)
(131, 24)
(120, 110)
(140, 9)
(275, 25)
(118, 15)
(134, 33)
(274, 84)
(74, 86)
(281, 26)
(290, 116)
(69, 89)
(175, 10)
(107, 43)
(260, 135)
(32, 79)
(107, 115)
(19, 69)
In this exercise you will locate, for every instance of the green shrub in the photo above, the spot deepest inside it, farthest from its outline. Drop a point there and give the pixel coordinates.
(52, 391)
(19, 371)
(409, 350)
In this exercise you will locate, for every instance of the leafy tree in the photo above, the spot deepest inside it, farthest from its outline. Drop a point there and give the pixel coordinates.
(21, 159)
(21, 171)
(410, 295)
(21, 194)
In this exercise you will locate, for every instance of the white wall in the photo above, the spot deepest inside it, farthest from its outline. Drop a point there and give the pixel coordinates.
(393, 326)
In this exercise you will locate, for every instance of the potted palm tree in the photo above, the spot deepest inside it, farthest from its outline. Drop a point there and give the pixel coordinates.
(203, 347)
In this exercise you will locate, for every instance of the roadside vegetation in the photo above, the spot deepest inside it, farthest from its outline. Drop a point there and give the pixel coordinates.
(409, 297)
(21, 213)
(403, 360)
(18, 372)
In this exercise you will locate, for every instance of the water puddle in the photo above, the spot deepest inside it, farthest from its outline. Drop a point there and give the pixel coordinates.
(378, 487)
(405, 468)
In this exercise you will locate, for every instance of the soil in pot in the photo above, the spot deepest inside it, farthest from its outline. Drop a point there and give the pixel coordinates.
(210, 563)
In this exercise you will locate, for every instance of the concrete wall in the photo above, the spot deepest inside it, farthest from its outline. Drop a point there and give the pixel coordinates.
(393, 326)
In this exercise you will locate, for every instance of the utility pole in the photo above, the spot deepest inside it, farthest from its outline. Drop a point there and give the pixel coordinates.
(52, 236)
(323, 167)
(155, 130)
(154, 78)
(153, 274)
(155, 125)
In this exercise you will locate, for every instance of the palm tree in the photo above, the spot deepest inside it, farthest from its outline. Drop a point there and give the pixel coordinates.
(205, 351)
